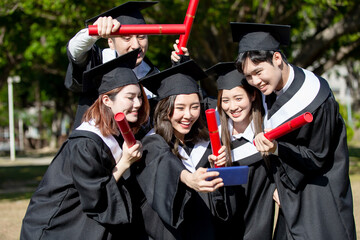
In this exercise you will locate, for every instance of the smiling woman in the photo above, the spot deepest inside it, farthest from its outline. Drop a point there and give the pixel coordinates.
(181, 202)
(83, 194)
(186, 113)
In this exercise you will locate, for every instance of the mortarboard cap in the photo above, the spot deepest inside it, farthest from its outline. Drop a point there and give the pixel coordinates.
(112, 74)
(227, 75)
(180, 79)
(127, 13)
(256, 36)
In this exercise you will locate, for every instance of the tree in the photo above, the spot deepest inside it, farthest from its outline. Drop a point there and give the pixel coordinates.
(34, 34)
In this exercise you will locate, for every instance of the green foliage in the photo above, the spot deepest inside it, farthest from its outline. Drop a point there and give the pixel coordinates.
(34, 34)
(349, 129)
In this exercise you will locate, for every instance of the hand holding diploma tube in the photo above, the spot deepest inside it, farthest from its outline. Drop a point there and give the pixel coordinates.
(213, 132)
(289, 126)
(143, 29)
(125, 129)
(189, 19)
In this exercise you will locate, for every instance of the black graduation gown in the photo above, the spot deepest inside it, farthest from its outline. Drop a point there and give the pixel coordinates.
(311, 171)
(255, 205)
(78, 197)
(172, 210)
(87, 91)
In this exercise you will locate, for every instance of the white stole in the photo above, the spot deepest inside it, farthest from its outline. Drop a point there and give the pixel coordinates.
(110, 141)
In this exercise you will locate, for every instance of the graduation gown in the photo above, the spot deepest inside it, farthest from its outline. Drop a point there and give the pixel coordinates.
(172, 210)
(87, 91)
(311, 171)
(78, 197)
(254, 200)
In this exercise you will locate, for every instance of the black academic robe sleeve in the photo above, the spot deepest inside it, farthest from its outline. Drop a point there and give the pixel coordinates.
(172, 210)
(74, 74)
(310, 149)
(98, 191)
(78, 198)
(162, 172)
(312, 178)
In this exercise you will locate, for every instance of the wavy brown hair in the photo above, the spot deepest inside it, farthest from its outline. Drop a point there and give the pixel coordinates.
(256, 116)
(163, 112)
(104, 117)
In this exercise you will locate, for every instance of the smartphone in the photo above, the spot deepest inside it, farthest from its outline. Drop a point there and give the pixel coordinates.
(231, 176)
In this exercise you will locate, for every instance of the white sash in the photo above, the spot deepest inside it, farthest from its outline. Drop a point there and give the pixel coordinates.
(110, 141)
(301, 99)
(247, 149)
(190, 162)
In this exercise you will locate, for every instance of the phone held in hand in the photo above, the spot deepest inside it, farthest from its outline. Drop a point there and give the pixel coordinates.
(231, 176)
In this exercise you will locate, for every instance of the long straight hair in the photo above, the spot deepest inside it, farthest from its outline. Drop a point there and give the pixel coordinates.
(256, 116)
(163, 112)
(104, 117)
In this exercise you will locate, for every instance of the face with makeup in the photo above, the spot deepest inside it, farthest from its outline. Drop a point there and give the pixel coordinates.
(237, 103)
(128, 100)
(186, 113)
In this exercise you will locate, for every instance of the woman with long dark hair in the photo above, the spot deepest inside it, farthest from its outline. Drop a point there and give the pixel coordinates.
(240, 111)
(183, 199)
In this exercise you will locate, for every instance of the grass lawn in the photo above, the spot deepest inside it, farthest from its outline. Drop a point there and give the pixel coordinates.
(17, 184)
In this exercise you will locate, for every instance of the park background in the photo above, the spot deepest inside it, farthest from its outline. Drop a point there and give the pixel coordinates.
(325, 38)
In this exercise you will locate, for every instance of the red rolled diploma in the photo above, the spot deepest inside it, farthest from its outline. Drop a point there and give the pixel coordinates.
(143, 29)
(189, 19)
(125, 129)
(289, 126)
(213, 132)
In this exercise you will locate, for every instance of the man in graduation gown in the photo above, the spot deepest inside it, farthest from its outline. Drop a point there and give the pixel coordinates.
(84, 54)
(311, 164)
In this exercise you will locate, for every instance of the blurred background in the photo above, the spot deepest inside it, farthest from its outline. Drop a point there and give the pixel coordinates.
(325, 38)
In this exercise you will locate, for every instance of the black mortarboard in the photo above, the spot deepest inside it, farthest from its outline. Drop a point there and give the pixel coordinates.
(112, 74)
(127, 13)
(180, 79)
(256, 36)
(227, 75)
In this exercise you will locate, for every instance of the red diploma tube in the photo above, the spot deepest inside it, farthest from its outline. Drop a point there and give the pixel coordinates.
(125, 129)
(189, 19)
(213, 131)
(144, 29)
(289, 126)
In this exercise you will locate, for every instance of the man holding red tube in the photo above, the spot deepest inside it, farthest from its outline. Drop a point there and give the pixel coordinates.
(310, 165)
(84, 54)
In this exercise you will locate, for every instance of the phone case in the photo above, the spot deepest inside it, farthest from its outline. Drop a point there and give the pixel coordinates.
(232, 175)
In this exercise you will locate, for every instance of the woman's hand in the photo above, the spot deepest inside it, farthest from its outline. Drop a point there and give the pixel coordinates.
(198, 182)
(219, 160)
(129, 156)
(132, 154)
(174, 56)
(106, 26)
(263, 145)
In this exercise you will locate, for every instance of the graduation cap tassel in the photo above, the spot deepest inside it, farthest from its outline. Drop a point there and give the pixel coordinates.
(189, 19)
